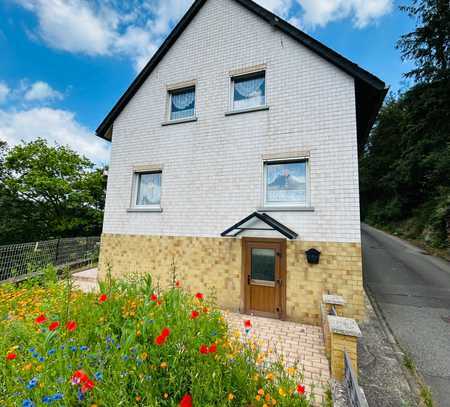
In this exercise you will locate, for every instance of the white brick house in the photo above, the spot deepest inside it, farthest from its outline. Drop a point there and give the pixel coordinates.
(238, 112)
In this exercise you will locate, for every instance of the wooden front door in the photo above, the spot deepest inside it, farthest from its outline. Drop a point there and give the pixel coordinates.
(264, 274)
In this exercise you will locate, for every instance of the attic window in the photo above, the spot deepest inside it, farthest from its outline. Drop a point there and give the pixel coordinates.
(248, 91)
(182, 103)
(286, 183)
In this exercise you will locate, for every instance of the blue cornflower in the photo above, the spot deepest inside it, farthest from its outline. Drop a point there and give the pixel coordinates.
(57, 396)
(62, 347)
(125, 357)
(80, 395)
(73, 348)
(31, 350)
(139, 362)
(118, 346)
(51, 352)
(35, 354)
(27, 403)
(47, 399)
(84, 347)
(32, 383)
(41, 359)
(98, 376)
(213, 333)
(109, 339)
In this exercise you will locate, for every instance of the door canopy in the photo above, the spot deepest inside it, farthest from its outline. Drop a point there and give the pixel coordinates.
(272, 225)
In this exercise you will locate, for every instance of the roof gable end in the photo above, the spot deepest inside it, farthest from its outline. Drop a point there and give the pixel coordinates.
(370, 91)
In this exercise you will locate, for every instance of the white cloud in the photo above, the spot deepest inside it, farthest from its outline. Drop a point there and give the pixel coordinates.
(54, 125)
(132, 29)
(363, 12)
(42, 91)
(312, 13)
(4, 91)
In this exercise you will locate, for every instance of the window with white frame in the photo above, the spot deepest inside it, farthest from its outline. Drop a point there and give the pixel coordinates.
(286, 183)
(182, 103)
(147, 191)
(248, 91)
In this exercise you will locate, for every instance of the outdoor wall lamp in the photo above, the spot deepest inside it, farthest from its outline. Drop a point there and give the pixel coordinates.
(313, 256)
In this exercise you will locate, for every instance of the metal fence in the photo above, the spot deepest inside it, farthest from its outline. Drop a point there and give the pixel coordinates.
(355, 395)
(20, 260)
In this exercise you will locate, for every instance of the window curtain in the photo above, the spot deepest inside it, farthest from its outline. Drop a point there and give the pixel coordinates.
(182, 104)
(249, 93)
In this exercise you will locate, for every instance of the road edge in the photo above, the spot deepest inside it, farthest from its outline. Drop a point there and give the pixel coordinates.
(415, 380)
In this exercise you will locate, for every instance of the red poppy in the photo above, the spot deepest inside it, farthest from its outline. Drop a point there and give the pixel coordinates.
(199, 296)
(162, 337)
(160, 340)
(79, 377)
(11, 356)
(102, 298)
(53, 326)
(300, 389)
(165, 332)
(212, 348)
(248, 323)
(194, 314)
(205, 310)
(88, 385)
(154, 298)
(186, 401)
(71, 326)
(178, 283)
(40, 319)
(203, 349)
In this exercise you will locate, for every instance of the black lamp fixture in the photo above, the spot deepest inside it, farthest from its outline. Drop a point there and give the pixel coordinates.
(313, 256)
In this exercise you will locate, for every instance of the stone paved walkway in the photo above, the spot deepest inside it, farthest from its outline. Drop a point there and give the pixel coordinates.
(296, 343)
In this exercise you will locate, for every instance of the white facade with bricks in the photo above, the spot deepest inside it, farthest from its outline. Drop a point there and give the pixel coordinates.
(212, 169)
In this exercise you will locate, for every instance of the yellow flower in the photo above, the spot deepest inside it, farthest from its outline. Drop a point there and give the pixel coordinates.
(274, 402)
(39, 368)
(27, 366)
(291, 371)
(166, 395)
(230, 396)
(138, 333)
(261, 392)
(282, 392)
(144, 355)
(163, 365)
(265, 405)
(256, 377)
(269, 376)
(258, 397)
(267, 398)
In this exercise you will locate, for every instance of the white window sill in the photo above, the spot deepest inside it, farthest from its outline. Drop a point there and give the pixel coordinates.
(145, 209)
(178, 121)
(249, 110)
(286, 209)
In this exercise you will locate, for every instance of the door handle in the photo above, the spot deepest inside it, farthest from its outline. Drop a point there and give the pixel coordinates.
(279, 282)
(248, 279)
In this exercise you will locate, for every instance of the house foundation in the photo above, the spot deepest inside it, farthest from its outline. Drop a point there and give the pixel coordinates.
(213, 265)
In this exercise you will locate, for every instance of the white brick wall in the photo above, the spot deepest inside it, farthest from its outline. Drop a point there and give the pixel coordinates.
(212, 167)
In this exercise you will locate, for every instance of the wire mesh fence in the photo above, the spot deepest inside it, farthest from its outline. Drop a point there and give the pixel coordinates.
(20, 260)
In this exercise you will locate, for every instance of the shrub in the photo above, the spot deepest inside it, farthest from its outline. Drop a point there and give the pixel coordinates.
(130, 345)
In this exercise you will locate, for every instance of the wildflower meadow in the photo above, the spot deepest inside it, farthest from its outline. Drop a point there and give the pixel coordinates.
(130, 344)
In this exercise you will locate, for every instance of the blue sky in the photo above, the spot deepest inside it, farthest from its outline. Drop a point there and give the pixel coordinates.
(64, 63)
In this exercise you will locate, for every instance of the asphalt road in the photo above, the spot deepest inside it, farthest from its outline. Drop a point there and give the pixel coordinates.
(413, 292)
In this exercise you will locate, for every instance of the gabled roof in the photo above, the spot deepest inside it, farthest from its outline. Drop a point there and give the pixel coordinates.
(268, 220)
(370, 90)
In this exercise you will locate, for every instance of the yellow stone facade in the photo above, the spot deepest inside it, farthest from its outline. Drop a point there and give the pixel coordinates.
(213, 266)
(339, 345)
